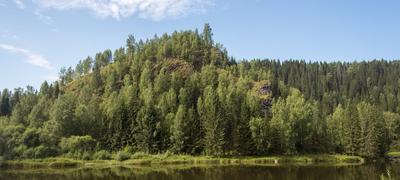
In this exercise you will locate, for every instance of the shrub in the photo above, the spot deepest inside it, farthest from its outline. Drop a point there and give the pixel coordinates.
(29, 153)
(102, 155)
(74, 155)
(77, 144)
(45, 151)
(23, 152)
(129, 149)
(140, 155)
(168, 154)
(30, 137)
(18, 152)
(86, 156)
(10, 141)
(122, 156)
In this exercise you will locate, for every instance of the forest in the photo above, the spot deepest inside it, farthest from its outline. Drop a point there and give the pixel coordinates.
(182, 93)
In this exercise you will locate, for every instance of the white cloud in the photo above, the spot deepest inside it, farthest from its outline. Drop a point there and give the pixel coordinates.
(148, 9)
(44, 18)
(20, 4)
(31, 57)
(8, 35)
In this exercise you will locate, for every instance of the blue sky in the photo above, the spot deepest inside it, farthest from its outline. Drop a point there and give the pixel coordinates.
(38, 37)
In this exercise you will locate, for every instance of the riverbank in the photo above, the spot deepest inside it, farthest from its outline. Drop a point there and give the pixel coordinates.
(149, 160)
(394, 156)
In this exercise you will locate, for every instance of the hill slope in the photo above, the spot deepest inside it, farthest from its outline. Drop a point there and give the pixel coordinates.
(182, 93)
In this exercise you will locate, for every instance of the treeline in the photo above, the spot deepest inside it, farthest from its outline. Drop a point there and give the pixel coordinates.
(182, 93)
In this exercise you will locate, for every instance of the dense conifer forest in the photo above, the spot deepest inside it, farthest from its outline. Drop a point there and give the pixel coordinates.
(182, 93)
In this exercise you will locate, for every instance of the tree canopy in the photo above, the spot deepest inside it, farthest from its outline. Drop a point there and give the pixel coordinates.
(183, 93)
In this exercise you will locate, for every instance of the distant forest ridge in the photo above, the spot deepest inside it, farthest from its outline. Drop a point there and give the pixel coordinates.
(183, 94)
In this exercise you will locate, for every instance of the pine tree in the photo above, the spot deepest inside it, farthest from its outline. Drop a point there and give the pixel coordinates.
(147, 121)
(5, 106)
(352, 131)
(373, 142)
(212, 122)
(179, 130)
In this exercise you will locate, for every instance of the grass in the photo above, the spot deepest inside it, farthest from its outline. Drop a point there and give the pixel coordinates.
(41, 163)
(143, 159)
(394, 154)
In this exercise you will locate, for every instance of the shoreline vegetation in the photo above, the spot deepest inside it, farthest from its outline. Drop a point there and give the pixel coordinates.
(171, 160)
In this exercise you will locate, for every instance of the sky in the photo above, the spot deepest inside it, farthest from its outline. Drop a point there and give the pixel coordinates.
(38, 37)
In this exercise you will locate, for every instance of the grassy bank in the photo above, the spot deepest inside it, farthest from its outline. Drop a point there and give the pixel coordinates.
(165, 159)
(394, 154)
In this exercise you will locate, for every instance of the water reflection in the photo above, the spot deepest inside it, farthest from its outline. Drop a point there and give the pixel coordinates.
(315, 172)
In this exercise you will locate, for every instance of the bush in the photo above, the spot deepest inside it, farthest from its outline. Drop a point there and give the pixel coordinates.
(140, 155)
(45, 151)
(23, 152)
(30, 137)
(77, 144)
(168, 154)
(86, 156)
(79, 155)
(122, 156)
(74, 155)
(29, 153)
(19, 152)
(102, 155)
(129, 149)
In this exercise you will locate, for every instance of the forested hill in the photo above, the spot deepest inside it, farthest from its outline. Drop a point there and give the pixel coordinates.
(182, 93)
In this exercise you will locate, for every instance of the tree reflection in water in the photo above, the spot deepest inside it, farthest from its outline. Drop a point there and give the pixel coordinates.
(289, 172)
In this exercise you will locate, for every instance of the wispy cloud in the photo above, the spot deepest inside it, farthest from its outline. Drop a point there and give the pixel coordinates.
(148, 9)
(19, 4)
(44, 18)
(31, 57)
(6, 34)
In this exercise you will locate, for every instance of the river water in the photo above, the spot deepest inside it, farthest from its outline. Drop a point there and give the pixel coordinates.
(235, 172)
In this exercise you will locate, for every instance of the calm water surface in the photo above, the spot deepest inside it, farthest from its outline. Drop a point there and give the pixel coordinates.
(312, 172)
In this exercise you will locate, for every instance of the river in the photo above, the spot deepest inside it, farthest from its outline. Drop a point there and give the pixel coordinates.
(235, 172)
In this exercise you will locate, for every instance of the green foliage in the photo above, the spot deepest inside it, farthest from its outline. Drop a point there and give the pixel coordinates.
(63, 116)
(10, 136)
(122, 156)
(373, 134)
(260, 134)
(102, 155)
(86, 156)
(290, 123)
(129, 149)
(352, 138)
(213, 123)
(43, 151)
(77, 144)
(392, 122)
(140, 155)
(31, 138)
(182, 93)
(179, 130)
(387, 175)
(336, 129)
(5, 106)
